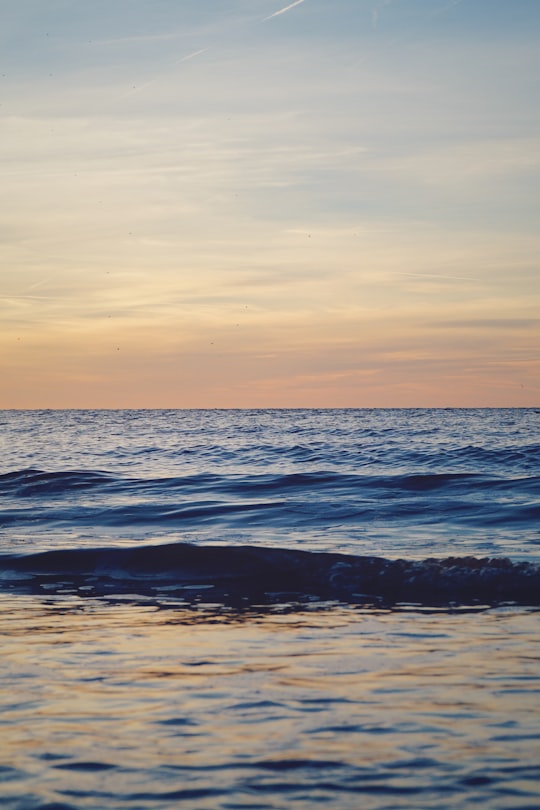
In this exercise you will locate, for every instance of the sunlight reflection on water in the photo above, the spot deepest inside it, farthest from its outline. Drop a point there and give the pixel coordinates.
(128, 704)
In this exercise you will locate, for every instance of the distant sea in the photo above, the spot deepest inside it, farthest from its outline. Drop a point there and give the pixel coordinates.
(270, 609)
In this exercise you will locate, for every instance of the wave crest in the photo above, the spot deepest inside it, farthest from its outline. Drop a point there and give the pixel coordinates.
(261, 574)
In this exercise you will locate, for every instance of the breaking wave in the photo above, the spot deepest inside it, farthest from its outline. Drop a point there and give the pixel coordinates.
(257, 574)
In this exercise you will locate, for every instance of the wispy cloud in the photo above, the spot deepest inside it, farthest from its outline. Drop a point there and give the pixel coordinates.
(488, 323)
(283, 10)
(437, 276)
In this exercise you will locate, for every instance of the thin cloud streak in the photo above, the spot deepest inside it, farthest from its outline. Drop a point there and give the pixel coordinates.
(375, 13)
(193, 55)
(438, 276)
(163, 74)
(283, 10)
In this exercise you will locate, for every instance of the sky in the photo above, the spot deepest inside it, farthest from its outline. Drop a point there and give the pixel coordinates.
(249, 203)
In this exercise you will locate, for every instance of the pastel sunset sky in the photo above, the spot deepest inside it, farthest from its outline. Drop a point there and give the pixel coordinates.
(248, 203)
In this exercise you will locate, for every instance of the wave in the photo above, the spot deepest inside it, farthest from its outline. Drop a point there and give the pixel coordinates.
(240, 574)
(30, 482)
(313, 499)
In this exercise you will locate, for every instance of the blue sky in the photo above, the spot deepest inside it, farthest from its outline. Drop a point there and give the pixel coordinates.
(235, 204)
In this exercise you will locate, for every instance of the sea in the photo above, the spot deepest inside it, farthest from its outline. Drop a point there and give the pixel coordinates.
(270, 609)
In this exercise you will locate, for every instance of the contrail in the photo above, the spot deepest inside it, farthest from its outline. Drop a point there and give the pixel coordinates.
(375, 12)
(137, 88)
(283, 10)
(193, 55)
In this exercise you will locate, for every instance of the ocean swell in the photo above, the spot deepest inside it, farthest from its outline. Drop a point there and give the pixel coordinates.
(255, 574)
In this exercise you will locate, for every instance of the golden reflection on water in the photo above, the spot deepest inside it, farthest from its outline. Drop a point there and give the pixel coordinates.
(148, 697)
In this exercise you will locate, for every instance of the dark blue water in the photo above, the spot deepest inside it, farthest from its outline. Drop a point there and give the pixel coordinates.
(269, 609)
(410, 483)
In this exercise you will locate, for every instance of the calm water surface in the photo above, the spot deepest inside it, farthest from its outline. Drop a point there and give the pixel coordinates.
(127, 705)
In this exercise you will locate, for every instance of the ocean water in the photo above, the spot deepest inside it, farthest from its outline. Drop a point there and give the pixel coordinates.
(270, 609)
